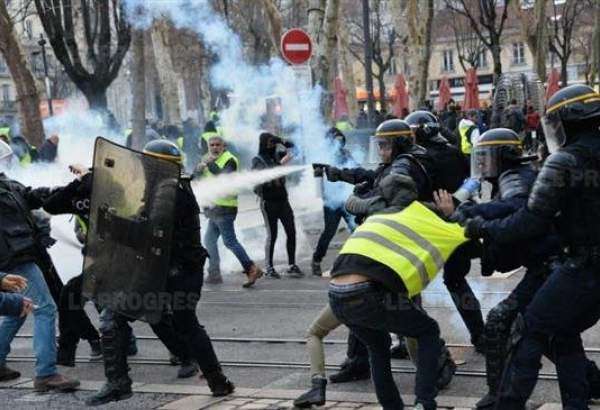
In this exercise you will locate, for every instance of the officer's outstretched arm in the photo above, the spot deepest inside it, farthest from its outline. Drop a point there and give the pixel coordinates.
(553, 184)
(350, 175)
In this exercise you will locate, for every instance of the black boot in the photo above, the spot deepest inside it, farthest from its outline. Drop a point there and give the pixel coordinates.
(351, 371)
(399, 351)
(447, 368)
(487, 402)
(219, 384)
(111, 391)
(65, 355)
(95, 350)
(315, 396)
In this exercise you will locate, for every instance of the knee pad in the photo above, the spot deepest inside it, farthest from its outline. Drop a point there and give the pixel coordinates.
(499, 320)
(318, 331)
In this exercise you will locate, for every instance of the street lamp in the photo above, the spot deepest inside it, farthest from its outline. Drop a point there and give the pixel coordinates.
(42, 44)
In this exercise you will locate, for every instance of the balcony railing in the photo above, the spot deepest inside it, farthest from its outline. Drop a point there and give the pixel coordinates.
(8, 105)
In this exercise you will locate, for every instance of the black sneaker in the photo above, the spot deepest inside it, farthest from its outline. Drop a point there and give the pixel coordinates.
(111, 391)
(294, 272)
(316, 268)
(272, 273)
(6, 374)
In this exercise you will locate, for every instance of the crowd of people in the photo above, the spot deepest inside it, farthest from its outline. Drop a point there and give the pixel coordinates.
(417, 214)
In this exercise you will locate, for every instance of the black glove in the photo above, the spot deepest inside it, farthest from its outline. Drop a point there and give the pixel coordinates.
(474, 227)
(333, 174)
(319, 169)
(362, 188)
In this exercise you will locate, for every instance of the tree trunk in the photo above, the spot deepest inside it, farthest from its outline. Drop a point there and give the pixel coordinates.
(161, 45)
(595, 76)
(541, 39)
(419, 26)
(138, 109)
(382, 92)
(316, 13)
(564, 74)
(27, 94)
(495, 49)
(345, 63)
(275, 23)
(327, 45)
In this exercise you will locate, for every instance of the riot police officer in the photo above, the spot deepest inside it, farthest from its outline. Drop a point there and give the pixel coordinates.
(447, 167)
(565, 195)
(394, 141)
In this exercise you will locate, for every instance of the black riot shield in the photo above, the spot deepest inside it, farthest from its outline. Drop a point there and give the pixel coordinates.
(132, 210)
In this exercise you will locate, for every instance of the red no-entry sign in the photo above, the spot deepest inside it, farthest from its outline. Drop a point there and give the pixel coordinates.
(296, 46)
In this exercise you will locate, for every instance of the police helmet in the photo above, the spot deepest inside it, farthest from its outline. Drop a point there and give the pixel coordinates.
(497, 150)
(567, 107)
(395, 134)
(164, 149)
(424, 124)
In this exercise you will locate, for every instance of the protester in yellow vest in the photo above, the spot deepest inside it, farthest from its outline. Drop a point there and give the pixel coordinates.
(222, 214)
(468, 131)
(343, 124)
(391, 257)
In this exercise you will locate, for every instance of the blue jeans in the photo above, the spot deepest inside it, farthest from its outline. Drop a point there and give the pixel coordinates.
(371, 313)
(44, 319)
(223, 225)
(565, 305)
(332, 218)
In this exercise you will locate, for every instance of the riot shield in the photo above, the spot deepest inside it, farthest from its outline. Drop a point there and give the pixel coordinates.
(132, 210)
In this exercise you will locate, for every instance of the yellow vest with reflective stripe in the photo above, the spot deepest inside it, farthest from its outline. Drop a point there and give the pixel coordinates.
(343, 126)
(5, 131)
(414, 243)
(232, 200)
(465, 144)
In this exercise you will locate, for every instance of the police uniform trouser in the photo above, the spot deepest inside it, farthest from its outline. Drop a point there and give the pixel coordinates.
(186, 289)
(74, 323)
(456, 269)
(565, 305)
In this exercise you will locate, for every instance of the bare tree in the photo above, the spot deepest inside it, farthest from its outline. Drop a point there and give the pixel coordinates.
(162, 44)
(101, 20)
(275, 22)
(383, 38)
(27, 94)
(535, 33)
(345, 64)
(595, 74)
(138, 109)
(486, 22)
(469, 46)
(326, 46)
(420, 18)
(562, 22)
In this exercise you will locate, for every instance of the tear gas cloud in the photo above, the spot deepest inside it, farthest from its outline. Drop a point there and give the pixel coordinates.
(249, 85)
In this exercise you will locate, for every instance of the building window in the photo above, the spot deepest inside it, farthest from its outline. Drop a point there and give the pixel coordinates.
(482, 61)
(2, 65)
(5, 92)
(448, 60)
(518, 53)
(29, 29)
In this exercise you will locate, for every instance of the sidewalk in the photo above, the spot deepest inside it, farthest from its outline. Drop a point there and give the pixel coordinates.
(184, 397)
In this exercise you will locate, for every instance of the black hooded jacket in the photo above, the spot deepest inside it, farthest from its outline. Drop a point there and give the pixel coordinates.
(274, 190)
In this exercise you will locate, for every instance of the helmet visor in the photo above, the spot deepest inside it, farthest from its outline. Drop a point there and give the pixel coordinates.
(380, 149)
(485, 162)
(554, 131)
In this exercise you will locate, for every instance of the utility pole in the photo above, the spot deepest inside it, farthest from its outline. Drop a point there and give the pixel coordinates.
(368, 63)
(42, 44)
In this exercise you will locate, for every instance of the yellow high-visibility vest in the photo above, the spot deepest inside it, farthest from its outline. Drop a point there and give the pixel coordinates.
(232, 200)
(465, 144)
(343, 126)
(415, 243)
(5, 131)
